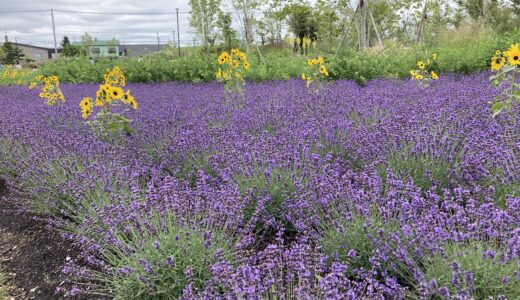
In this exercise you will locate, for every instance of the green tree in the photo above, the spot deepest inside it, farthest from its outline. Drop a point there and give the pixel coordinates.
(86, 43)
(245, 11)
(273, 20)
(328, 21)
(203, 18)
(228, 34)
(65, 42)
(11, 54)
(69, 50)
(301, 21)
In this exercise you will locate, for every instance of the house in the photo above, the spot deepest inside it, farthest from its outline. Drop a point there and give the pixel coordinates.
(109, 48)
(36, 53)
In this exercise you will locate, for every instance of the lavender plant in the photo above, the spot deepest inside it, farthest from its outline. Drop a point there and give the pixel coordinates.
(357, 193)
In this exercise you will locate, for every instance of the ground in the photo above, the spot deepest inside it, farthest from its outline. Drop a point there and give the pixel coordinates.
(31, 255)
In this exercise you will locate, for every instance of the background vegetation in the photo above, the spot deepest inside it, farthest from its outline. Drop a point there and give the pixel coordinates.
(360, 40)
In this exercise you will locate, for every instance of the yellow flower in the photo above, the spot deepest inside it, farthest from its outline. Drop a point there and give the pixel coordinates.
(321, 60)
(514, 55)
(6, 73)
(434, 56)
(421, 65)
(133, 103)
(116, 92)
(497, 63)
(86, 102)
(309, 81)
(33, 85)
(428, 62)
(303, 76)
(223, 58)
(498, 52)
(418, 77)
(323, 70)
(434, 75)
(246, 65)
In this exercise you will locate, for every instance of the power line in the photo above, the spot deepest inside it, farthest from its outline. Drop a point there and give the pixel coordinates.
(119, 13)
(93, 12)
(24, 11)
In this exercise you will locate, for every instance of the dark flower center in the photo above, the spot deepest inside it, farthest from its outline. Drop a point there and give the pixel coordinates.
(515, 57)
(497, 61)
(115, 93)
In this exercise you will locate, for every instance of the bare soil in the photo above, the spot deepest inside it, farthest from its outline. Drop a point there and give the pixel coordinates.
(31, 255)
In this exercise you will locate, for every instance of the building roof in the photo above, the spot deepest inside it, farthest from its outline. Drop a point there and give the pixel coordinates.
(30, 46)
(100, 43)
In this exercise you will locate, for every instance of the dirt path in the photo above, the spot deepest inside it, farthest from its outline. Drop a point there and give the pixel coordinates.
(31, 256)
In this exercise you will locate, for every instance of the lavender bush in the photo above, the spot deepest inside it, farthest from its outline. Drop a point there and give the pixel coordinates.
(389, 191)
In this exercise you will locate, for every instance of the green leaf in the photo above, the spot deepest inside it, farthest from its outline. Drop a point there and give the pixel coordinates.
(497, 108)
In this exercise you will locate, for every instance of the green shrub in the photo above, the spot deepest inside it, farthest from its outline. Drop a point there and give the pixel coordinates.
(491, 276)
(156, 267)
(362, 235)
(279, 185)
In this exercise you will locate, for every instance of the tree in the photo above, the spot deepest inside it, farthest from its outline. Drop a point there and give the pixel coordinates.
(11, 54)
(272, 22)
(301, 21)
(65, 42)
(245, 11)
(229, 35)
(203, 18)
(86, 42)
(69, 50)
(327, 20)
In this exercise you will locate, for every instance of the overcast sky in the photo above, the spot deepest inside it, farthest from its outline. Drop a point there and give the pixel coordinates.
(36, 27)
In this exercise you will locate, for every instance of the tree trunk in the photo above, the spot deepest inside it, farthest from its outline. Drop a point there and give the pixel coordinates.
(420, 31)
(363, 29)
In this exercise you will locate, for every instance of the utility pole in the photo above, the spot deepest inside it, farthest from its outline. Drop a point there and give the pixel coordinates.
(173, 40)
(178, 35)
(158, 44)
(54, 33)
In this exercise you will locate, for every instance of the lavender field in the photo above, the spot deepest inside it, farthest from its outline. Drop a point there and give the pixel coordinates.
(388, 191)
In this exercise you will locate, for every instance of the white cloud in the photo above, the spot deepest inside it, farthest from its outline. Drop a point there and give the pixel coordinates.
(36, 27)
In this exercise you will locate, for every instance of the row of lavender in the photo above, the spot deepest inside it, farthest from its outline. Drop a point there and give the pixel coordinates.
(388, 191)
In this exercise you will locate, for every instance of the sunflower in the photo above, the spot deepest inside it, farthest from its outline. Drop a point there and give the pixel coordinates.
(323, 70)
(413, 73)
(223, 58)
(86, 102)
(514, 55)
(497, 63)
(133, 103)
(303, 76)
(421, 65)
(116, 92)
(434, 56)
(498, 52)
(128, 98)
(246, 65)
(321, 60)
(86, 112)
(434, 75)
(419, 77)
